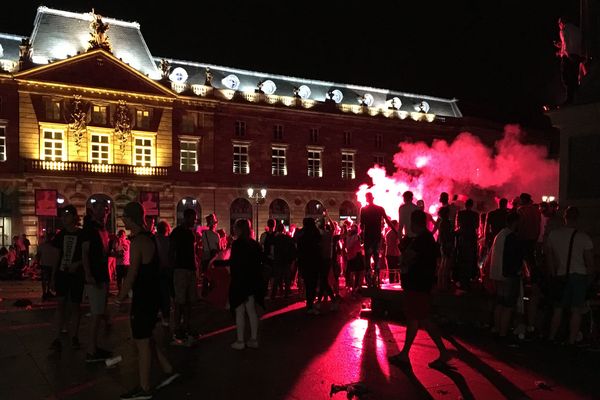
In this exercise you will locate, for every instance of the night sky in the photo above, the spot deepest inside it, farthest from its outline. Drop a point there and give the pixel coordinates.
(496, 57)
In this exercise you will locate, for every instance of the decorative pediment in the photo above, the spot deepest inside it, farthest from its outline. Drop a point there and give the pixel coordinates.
(96, 69)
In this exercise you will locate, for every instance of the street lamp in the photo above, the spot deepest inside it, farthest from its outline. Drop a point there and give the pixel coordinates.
(257, 195)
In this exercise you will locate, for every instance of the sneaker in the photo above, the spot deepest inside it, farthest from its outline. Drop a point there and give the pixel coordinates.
(75, 342)
(252, 344)
(168, 379)
(237, 345)
(56, 345)
(137, 394)
(98, 356)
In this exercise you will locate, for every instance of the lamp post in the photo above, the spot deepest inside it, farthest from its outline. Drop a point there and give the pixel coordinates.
(257, 195)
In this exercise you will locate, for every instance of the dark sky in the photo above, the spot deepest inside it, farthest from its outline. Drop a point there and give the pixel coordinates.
(496, 57)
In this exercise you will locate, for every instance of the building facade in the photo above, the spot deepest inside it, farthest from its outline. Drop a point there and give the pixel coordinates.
(84, 116)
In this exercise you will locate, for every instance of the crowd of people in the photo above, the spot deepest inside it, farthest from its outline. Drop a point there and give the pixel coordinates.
(527, 248)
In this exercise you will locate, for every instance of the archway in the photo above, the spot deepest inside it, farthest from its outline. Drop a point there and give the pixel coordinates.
(111, 221)
(348, 210)
(240, 209)
(314, 209)
(280, 211)
(185, 204)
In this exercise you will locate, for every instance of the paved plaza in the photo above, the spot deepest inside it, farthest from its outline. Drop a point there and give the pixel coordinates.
(300, 358)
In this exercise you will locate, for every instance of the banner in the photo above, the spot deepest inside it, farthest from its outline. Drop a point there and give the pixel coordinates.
(45, 203)
(150, 202)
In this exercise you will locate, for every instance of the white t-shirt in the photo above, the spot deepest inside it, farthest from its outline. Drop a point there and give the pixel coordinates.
(558, 241)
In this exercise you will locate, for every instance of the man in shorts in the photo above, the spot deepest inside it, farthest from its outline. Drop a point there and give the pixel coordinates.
(421, 258)
(184, 274)
(67, 276)
(95, 251)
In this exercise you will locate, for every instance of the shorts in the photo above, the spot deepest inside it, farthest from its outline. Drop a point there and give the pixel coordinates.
(97, 295)
(46, 272)
(144, 314)
(574, 292)
(69, 286)
(416, 305)
(507, 292)
(184, 283)
(121, 271)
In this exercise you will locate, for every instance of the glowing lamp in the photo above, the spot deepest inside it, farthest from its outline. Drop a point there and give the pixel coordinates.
(231, 82)
(267, 87)
(263, 192)
(60, 200)
(250, 192)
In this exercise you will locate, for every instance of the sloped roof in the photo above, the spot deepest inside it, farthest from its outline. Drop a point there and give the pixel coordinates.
(249, 81)
(9, 46)
(58, 34)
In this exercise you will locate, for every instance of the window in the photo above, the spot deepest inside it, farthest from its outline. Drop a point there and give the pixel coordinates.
(314, 164)
(99, 149)
(379, 141)
(188, 155)
(143, 152)
(99, 115)
(53, 110)
(278, 161)
(240, 159)
(2, 143)
(347, 138)
(347, 165)
(240, 128)
(53, 145)
(378, 159)
(314, 135)
(189, 122)
(142, 119)
(278, 132)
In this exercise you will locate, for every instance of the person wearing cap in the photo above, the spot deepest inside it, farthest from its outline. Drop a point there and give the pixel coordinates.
(210, 248)
(67, 276)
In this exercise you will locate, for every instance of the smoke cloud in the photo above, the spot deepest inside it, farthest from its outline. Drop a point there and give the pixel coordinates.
(465, 167)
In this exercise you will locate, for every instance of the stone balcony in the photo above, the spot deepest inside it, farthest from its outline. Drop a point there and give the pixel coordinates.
(94, 169)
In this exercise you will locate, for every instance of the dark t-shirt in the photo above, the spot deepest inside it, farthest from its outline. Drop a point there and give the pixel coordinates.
(370, 217)
(512, 256)
(97, 236)
(183, 241)
(69, 245)
(421, 271)
(496, 220)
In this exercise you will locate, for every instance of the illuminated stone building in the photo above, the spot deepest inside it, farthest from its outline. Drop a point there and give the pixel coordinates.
(83, 115)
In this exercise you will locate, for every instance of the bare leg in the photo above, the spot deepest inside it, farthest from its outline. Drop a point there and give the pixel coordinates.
(505, 316)
(574, 324)
(411, 333)
(144, 362)
(555, 323)
(435, 335)
(95, 324)
(156, 344)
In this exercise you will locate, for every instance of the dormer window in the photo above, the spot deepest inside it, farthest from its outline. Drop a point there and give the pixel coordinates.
(142, 119)
(99, 115)
(53, 109)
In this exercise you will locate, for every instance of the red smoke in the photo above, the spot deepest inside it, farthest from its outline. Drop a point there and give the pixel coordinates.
(464, 167)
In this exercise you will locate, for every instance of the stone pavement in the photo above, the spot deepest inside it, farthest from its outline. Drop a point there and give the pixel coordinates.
(299, 358)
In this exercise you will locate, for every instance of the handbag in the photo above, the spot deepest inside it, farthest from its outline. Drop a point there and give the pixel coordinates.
(559, 283)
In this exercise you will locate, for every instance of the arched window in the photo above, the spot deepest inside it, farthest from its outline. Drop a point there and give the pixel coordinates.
(280, 211)
(348, 210)
(240, 209)
(187, 203)
(314, 209)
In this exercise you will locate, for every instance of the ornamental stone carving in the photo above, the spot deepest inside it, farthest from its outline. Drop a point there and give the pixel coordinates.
(122, 125)
(99, 38)
(77, 120)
